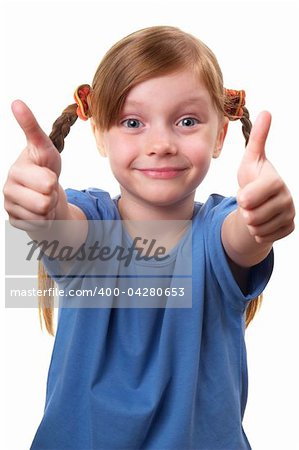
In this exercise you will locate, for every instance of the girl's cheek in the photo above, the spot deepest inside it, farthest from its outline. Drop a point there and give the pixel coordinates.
(197, 152)
(117, 161)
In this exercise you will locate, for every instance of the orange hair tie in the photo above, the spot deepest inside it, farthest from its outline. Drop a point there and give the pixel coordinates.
(234, 101)
(80, 96)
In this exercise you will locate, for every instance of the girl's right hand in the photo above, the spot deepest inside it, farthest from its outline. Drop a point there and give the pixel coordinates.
(32, 192)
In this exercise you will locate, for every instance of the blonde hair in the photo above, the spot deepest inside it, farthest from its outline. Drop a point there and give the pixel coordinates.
(147, 53)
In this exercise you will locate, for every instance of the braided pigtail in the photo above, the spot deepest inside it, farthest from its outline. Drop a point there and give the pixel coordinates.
(246, 124)
(252, 308)
(46, 300)
(60, 129)
(256, 303)
(62, 125)
(234, 109)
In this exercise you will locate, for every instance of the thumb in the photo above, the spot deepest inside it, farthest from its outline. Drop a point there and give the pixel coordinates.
(40, 146)
(255, 149)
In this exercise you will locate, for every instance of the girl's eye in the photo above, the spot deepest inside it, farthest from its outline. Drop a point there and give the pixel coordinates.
(188, 122)
(132, 123)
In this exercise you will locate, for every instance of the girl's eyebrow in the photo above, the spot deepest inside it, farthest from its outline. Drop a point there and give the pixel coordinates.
(129, 102)
(199, 100)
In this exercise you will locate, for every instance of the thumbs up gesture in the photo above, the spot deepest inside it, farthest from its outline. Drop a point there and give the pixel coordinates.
(32, 192)
(264, 200)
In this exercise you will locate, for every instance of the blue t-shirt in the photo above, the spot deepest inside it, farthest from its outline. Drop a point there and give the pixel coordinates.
(154, 378)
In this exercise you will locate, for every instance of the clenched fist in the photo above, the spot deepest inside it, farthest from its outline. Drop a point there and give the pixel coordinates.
(264, 199)
(32, 191)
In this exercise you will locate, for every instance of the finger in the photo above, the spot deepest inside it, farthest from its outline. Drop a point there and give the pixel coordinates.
(36, 178)
(21, 213)
(31, 225)
(33, 132)
(270, 227)
(257, 140)
(40, 148)
(257, 192)
(32, 201)
(270, 209)
(279, 234)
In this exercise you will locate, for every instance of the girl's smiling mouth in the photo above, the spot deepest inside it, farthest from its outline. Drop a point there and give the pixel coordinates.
(162, 172)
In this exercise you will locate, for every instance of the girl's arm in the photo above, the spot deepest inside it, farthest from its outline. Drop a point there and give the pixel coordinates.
(33, 196)
(265, 210)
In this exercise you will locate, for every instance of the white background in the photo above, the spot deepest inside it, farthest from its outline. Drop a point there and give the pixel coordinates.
(50, 48)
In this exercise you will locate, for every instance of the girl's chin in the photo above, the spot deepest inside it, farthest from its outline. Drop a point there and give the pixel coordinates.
(161, 199)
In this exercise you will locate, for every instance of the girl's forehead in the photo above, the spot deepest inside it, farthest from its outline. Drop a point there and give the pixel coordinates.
(181, 86)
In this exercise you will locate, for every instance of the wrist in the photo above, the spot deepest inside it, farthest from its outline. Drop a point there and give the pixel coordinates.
(241, 246)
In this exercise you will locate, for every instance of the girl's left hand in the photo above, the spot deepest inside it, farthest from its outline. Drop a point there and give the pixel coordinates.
(264, 200)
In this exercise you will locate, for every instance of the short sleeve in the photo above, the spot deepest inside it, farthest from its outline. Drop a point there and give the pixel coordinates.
(259, 274)
(95, 203)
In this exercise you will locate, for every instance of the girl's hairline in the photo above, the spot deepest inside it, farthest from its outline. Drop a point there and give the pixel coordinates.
(195, 68)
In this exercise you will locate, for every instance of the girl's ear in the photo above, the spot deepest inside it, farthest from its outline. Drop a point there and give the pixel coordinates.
(98, 137)
(221, 137)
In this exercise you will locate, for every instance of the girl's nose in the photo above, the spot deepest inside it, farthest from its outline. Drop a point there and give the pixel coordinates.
(161, 143)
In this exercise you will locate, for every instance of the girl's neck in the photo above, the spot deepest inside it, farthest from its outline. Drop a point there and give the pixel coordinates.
(162, 225)
(131, 208)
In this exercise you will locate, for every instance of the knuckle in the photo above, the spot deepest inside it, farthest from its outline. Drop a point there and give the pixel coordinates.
(244, 199)
(7, 206)
(291, 216)
(44, 205)
(8, 210)
(250, 218)
(292, 227)
(278, 184)
(259, 239)
(12, 173)
(265, 240)
(252, 230)
(50, 181)
(289, 203)
(286, 204)
(288, 208)
(6, 191)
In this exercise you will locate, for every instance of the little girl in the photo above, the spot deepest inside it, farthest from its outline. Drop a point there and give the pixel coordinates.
(168, 372)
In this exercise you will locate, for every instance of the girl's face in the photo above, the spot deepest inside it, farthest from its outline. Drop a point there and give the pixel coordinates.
(161, 147)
